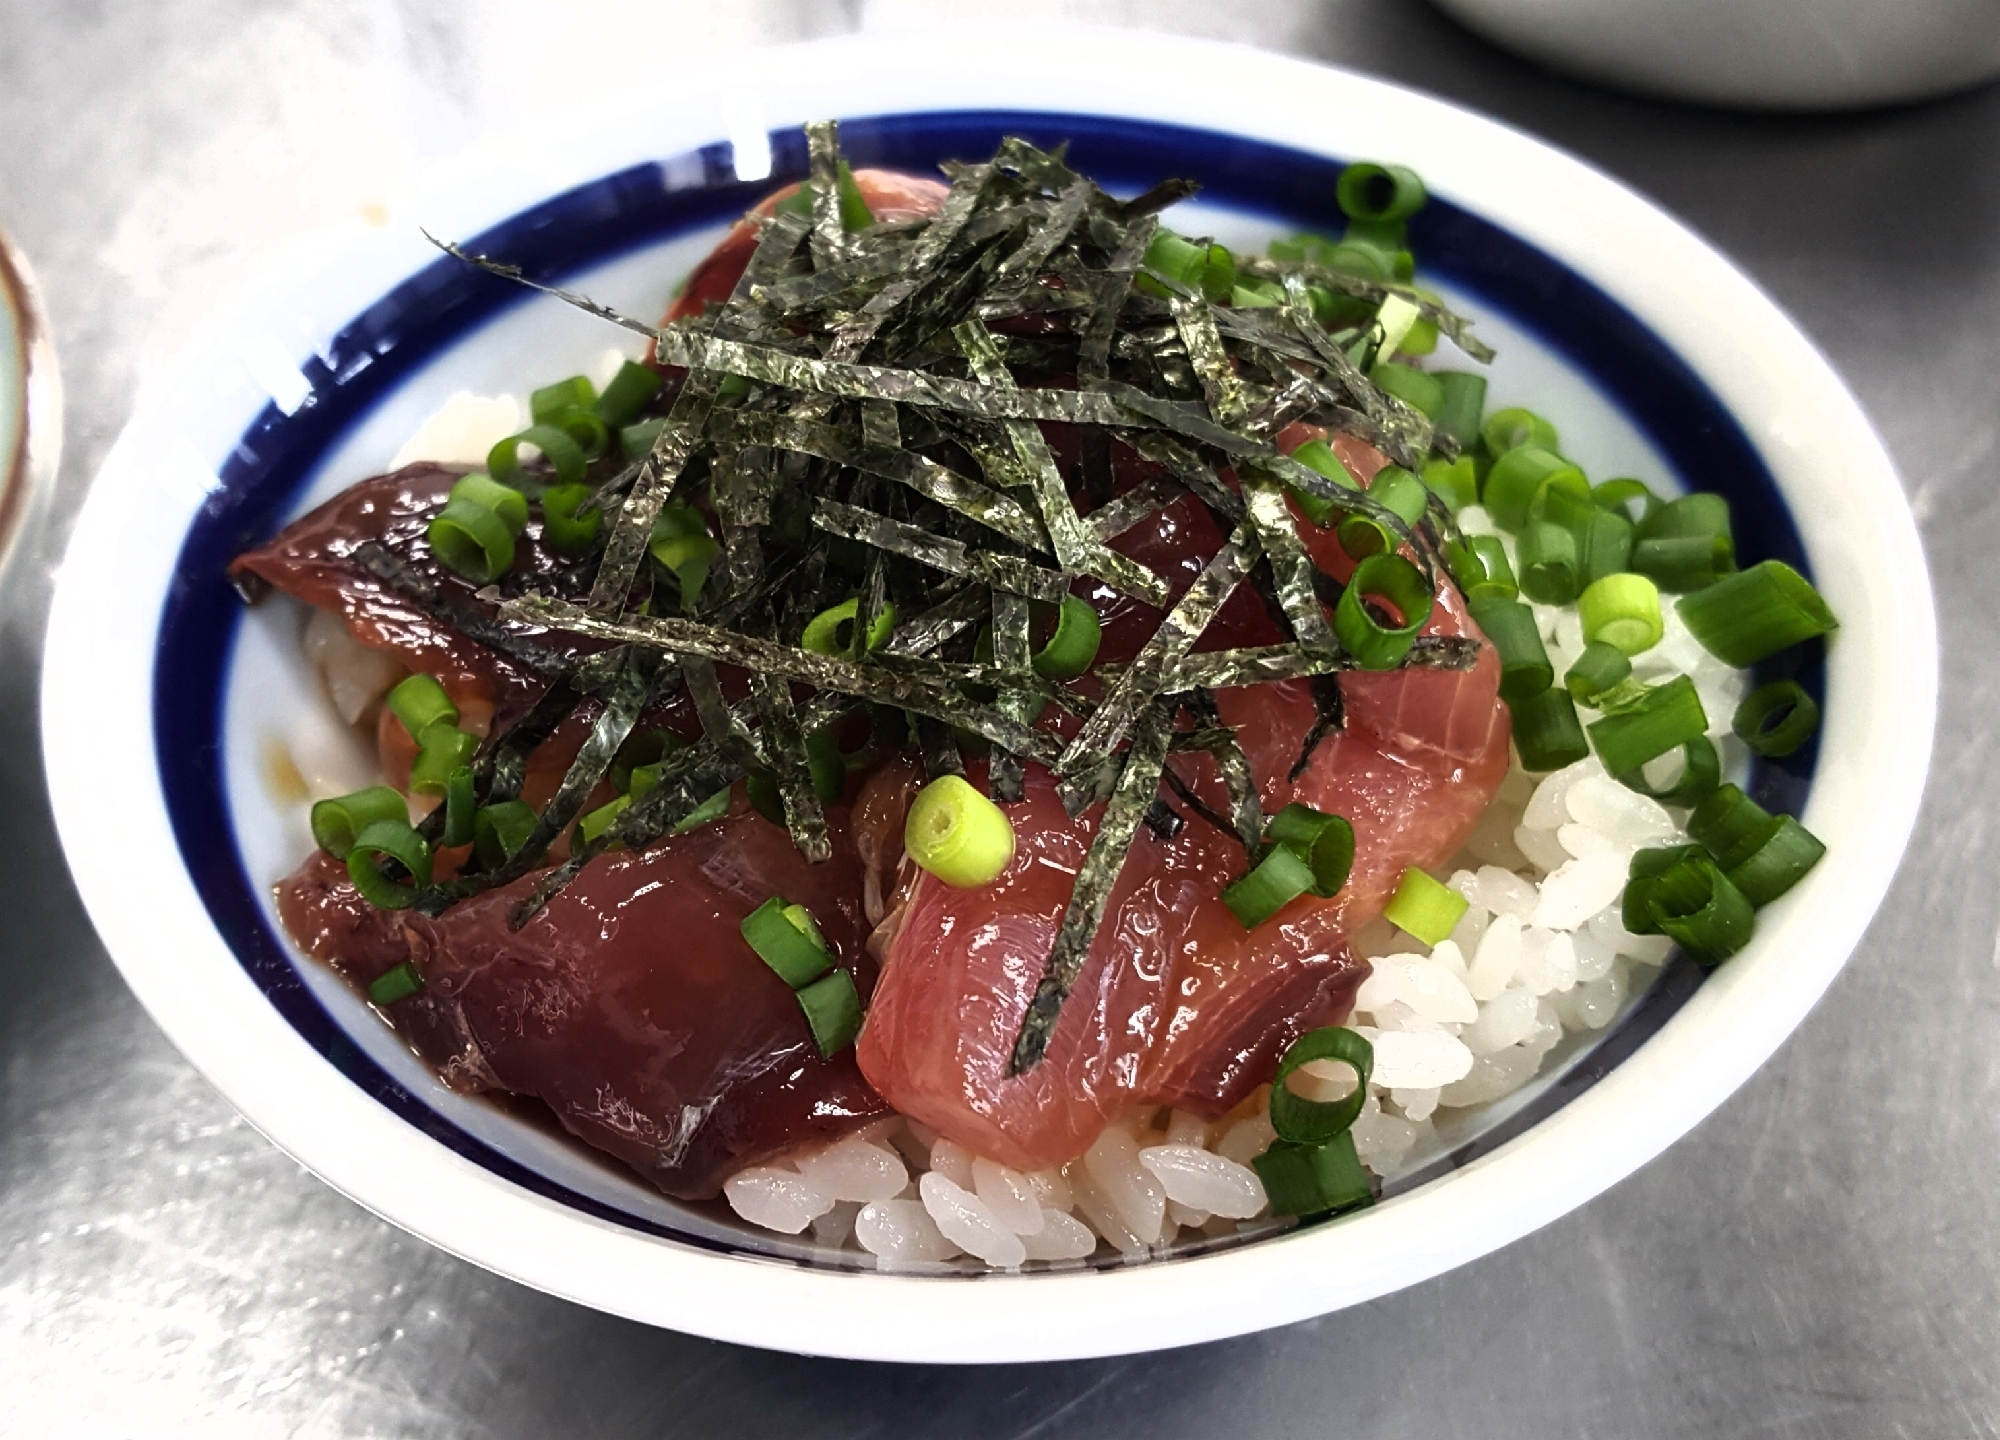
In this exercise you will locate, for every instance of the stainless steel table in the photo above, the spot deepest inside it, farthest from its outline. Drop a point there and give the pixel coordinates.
(1822, 1258)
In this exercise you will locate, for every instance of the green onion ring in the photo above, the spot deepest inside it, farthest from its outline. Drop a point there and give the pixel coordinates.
(1701, 772)
(1776, 719)
(1071, 649)
(460, 808)
(399, 842)
(1373, 644)
(336, 823)
(561, 451)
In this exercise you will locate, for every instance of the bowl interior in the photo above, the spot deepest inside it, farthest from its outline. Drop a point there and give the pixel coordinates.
(1626, 404)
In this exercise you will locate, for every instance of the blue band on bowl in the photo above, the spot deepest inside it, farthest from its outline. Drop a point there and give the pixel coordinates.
(262, 479)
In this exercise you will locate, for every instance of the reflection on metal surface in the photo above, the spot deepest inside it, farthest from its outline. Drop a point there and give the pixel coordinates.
(30, 401)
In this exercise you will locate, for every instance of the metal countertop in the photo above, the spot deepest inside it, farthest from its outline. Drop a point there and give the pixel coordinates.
(1821, 1258)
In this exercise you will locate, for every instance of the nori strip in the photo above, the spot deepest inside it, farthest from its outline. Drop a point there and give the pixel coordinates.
(784, 748)
(1227, 403)
(1149, 202)
(958, 612)
(806, 292)
(1012, 652)
(940, 552)
(938, 748)
(829, 237)
(1094, 351)
(1257, 665)
(1291, 568)
(1142, 501)
(879, 426)
(823, 672)
(1138, 787)
(1190, 469)
(1449, 323)
(853, 335)
(1127, 699)
(1043, 239)
(407, 582)
(626, 545)
(1329, 716)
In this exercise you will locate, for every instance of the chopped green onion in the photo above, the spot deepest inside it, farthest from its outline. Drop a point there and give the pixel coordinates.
(1512, 630)
(1548, 563)
(1703, 514)
(1379, 193)
(1617, 496)
(575, 393)
(1072, 647)
(713, 808)
(1314, 1122)
(1635, 908)
(587, 429)
(1512, 428)
(1725, 819)
(1394, 319)
(1464, 402)
(1313, 1179)
(1684, 563)
(1515, 483)
(1755, 613)
(1325, 842)
(831, 632)
(421, 702)
(642, 747)
(1423, 907)
(1456, 482)
(1409, 385)
(399, 982)
(1403, 494)
(1479, 565)
(1318, 455)
(854, 211)
(1776, 719)
(396, 840)
(499, 831)
(681, 543)
(1279, 878)
(459, 808)
(593, 823)
(1780, 854)
(957, 834)
(1668, 717)
(335, 823)
(1701, 772)
(503, 500)
(1622, 610)
(1380, 641)
(1603, 546)
(563, 530)
(636, 440)
(833, 1010)
(1547, 732)
(1208, 269)
(1693, 902)
(558, 447)
(441, 749)
(472, 540)
(794, 951)
(1600, 666)
(627, 394)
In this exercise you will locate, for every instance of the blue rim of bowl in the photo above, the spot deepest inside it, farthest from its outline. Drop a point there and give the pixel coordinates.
(265, 474)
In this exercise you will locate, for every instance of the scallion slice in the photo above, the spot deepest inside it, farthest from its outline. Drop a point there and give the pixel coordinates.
(1458, 416)
(1379, 194)
(1549, 566)
(1597, 669)
(1780, 853)
(499, 831)
(1514, 427)
(335, 823)
(1314, 1122)
(1279, 878)
(1510, 627)
(593, 823)
(1410, 385)
(1667, 717)
(1776, 719)
(472, 540)
(503, 500)
(393, 840)
(1318, 455)
(712, 809)
(460, 808)
(399, 982)
(1070, 650)
(558, 447)
(794, 951)
(1701, 772)
(575, 393)
(1314, 1179)
(1403, 494)
(1603, 546)
(1755, 613)
(1645, 867)
(441, 749)
(1325, 842)
(958, 834)
(1695, 903)
(1546, 731)
(681, 543)
(421, 702)
(1725, 819)
(627, 394)
(1517, 479)
(1622, 610)
(1617, 496)
(563, 530)
(1385, 604)
(833, 1010)
(1456, 482)
(1684, 563)
(831, 632)
(636, 439)
(1424, 907)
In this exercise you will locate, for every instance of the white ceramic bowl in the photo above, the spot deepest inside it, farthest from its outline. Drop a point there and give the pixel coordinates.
(1655, 353)
(1755, 54)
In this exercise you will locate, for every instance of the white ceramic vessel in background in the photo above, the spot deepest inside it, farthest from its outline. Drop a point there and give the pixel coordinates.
(101, 689)
(1754, 54)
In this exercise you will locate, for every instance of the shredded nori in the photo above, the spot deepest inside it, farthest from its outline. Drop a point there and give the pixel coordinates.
(832, 419)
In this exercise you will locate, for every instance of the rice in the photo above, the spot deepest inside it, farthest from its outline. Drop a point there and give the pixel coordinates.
(1540, 956)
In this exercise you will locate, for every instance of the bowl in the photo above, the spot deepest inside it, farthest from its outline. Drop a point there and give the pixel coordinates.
(1753, 54)
(1660, 357)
